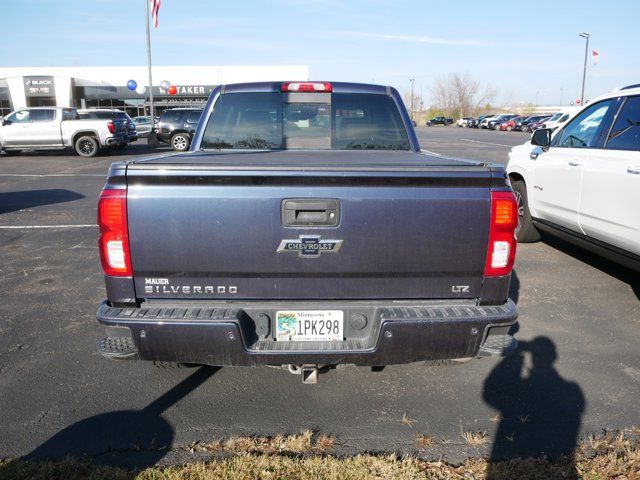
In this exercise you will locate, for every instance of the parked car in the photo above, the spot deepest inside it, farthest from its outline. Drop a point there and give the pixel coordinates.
(275, 241)
(522, 124)
(475, 123)
(177, 125)
(582, 182)
(487, 118)
(114, 114)
(510, 124)
(439, 121)
(533, 126)
(143, 125)
(559, 118)
(463, 121)
(495, 122)
(56, 128)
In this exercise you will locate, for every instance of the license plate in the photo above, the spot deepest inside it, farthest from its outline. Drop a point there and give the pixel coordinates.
(309, 325)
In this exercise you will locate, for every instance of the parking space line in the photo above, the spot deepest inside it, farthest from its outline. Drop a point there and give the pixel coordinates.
(33, 227)
(53, 175)
(485, 143)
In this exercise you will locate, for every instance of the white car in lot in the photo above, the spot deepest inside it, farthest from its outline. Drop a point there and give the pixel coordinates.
(463, 121)
(560, 118)
(582, 182)
(57, 128)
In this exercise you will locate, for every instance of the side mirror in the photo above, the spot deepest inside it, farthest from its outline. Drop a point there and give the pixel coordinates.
(5, 122)
(541, 138)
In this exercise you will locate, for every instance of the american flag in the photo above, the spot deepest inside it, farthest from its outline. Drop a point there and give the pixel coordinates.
(155, 8)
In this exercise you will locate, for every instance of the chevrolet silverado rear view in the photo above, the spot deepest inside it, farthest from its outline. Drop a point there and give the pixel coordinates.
(306, 228)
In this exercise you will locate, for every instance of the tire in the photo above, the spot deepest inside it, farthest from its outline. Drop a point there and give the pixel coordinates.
(180, 142)
(86, 146)
(13, 152)
(524, 128)
(526, 232)
(509, 129)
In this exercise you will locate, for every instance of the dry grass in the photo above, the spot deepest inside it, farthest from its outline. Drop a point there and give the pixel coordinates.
(475, 438)
(425, 441)
(613, 455)
(407, 421)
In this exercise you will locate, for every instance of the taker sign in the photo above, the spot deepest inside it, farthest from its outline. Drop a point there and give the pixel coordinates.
(39, 87)
(187, 90)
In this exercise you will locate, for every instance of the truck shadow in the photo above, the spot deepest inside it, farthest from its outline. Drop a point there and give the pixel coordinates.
(514, 287)
(131, 438)
(14, 201)
(609, 267)
(540, 413)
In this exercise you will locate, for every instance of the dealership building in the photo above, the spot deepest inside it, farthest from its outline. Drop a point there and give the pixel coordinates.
(106, 87)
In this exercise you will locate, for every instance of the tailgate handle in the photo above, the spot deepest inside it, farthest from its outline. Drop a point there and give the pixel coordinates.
(310, 212)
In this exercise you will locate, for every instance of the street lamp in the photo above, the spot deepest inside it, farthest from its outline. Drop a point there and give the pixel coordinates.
(586, 36)
(412, 80)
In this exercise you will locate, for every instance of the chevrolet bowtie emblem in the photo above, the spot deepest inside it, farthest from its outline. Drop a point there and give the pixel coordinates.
(309, 246)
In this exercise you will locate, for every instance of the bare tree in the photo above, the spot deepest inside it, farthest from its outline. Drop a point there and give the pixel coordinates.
(460, 95)
(417, 101)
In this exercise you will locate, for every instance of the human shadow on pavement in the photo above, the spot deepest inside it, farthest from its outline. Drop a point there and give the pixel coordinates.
(540, 412)
(14, 201)
(130, 438)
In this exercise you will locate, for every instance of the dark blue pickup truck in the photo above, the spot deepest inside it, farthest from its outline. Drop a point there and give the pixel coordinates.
(305, 228)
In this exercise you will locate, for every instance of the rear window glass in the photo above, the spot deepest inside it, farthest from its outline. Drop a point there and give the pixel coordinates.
(43, 115)
(338, 121)
(193, 117)
(171, 116)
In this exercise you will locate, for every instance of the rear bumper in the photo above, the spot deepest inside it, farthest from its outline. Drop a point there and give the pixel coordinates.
(119, 140)
(228, 333)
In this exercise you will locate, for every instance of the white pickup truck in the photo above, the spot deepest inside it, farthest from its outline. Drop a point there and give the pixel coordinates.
(581, 182)
(56, 128)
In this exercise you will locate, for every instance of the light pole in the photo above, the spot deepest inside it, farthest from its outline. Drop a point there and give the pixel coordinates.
(586, 36)
(412, 80)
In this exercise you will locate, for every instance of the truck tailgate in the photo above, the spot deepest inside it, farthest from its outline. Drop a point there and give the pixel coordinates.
(216, 226)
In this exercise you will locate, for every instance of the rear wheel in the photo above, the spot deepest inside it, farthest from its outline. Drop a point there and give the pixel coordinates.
(12, 152)
(526, 232)
(524, 128)
(509, 129)
(180, 142)
(86, 146)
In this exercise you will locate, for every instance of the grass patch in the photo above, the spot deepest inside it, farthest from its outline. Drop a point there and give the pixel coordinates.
(608, 456)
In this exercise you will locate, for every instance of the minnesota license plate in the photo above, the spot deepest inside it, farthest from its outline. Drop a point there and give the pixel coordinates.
(309, 325)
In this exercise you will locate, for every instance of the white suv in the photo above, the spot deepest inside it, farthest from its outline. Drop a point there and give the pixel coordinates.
(559, 118)
(582, 182)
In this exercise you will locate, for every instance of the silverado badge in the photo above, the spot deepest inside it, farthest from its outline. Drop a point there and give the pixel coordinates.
(309, 246)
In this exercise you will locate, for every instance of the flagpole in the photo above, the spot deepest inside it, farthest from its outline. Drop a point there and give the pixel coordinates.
(146, 22)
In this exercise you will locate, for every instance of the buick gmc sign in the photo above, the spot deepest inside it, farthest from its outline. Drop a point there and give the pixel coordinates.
(39, 86)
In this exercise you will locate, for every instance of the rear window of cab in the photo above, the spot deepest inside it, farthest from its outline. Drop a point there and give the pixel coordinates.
(273, 120)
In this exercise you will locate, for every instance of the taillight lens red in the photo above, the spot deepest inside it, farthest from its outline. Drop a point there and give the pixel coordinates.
(501, 252)
(114, 233)
(112, 127)
(306, 87)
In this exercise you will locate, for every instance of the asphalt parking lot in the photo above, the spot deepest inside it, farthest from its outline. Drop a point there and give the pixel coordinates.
(577, 371)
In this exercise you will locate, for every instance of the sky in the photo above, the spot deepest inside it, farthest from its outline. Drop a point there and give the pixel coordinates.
(527, 51)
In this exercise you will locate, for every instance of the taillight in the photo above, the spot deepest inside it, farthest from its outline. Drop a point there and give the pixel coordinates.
(306, 87)
(502, 240)
(112, 127)
(114, 233)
